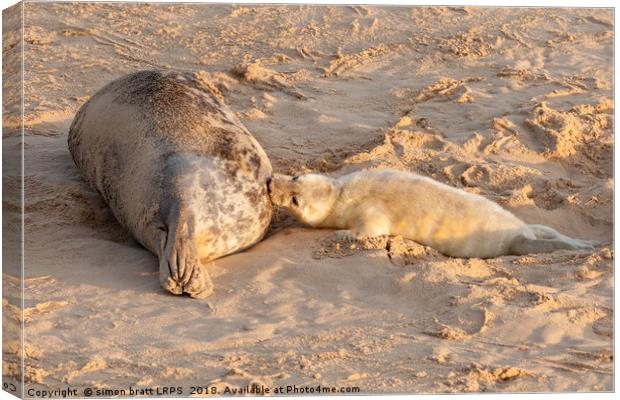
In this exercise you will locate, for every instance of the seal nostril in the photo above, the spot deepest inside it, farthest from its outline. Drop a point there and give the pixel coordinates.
(269, 185)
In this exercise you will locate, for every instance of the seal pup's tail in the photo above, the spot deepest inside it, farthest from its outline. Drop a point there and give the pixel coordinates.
(546, 240)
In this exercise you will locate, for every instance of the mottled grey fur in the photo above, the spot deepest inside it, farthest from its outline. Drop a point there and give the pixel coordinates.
(177, 168)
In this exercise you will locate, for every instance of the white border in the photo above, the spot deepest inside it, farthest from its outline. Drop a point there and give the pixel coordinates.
(485, 3)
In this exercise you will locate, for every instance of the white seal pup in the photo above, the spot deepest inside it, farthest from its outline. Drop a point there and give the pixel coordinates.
(178, 170)
(384, 202)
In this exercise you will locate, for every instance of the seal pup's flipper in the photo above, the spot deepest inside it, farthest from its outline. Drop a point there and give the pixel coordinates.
(180, 269)
(523, 245)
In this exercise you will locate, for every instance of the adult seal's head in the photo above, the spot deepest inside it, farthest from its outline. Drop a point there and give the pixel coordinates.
(178, 170)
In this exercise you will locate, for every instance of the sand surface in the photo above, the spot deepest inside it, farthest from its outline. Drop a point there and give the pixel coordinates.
(513, 104)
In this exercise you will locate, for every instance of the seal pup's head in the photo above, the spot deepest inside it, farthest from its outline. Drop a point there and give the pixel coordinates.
(309, 197)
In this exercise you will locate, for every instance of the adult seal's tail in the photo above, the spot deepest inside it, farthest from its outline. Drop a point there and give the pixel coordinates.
(178, 170)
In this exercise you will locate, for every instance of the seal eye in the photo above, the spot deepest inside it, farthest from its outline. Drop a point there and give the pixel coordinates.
(294, 201)
(295, 178)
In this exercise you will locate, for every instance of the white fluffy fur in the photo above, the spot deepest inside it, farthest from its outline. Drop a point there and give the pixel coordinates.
(383, 202)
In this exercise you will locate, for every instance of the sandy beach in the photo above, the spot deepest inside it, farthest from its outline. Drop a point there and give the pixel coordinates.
(515, 104)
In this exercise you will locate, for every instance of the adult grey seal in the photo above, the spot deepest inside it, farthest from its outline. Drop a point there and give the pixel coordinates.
(178, 170)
